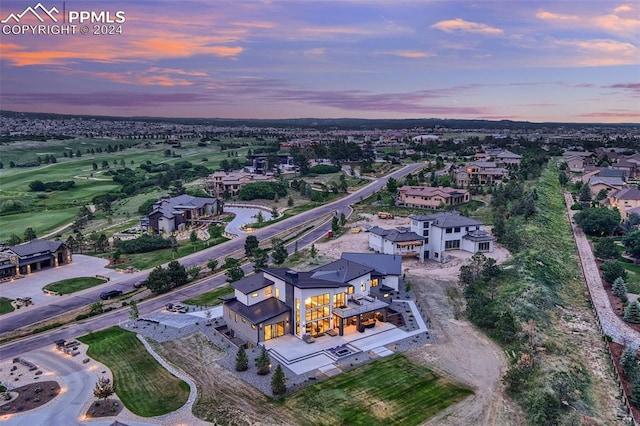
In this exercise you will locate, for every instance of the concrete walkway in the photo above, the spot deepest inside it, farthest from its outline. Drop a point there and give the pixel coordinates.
(611, 323)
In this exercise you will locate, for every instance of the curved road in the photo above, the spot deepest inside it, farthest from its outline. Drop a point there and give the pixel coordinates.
(21, 319)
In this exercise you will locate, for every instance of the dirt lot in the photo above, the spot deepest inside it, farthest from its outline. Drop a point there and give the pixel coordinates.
(462, 353)
(222, 398)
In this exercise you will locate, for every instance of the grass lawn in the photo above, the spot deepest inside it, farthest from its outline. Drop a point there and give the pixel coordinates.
(391, 391)
(143, 385)
(155, 258)
(41, 222)
(5, 305)
(72, 285)
(210, 298)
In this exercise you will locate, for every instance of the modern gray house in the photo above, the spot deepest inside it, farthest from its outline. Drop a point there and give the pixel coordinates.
(336, 298)
(173, 214)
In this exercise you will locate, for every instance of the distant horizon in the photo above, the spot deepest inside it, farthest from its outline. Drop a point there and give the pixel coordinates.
(540, 62)
(169, 118)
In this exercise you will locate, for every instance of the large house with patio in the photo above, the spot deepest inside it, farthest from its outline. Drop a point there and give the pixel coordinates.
(331, 299)
(26, 258)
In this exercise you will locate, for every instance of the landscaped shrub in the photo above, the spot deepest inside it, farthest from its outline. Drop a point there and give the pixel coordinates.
(612, 270)
(265, 190)
(632, 313)
(323, 169)
(143, 244)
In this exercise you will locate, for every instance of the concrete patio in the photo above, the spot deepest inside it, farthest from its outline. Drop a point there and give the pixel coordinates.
(301, 357)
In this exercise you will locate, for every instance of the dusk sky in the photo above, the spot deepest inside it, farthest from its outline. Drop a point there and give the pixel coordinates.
(569, 61)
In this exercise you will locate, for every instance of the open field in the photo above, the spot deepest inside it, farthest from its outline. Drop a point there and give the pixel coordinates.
(391, 391)
(210, 298)
(142, 384)
(72, 285)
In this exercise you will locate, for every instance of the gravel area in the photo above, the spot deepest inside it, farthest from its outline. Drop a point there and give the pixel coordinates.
(612, 325)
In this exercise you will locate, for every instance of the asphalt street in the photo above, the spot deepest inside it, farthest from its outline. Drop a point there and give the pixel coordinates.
(28, 317)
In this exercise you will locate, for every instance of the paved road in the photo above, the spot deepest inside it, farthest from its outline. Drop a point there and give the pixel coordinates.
(27, 317)
(611, 323)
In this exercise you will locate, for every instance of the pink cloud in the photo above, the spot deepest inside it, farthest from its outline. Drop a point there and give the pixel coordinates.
(460, 25)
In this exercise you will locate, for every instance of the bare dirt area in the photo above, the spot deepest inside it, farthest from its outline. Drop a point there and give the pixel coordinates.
(222, 397)
(461, 353)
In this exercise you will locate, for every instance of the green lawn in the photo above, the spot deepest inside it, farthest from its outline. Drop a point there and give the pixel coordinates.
(391, 391)
(41, 222)
(143, 385)
(210, 298)
(155, 258)
(5, 305)
(72, 285)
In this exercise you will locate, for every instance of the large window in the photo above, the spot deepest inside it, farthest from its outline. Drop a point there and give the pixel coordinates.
(297, 316)
(339, 299)
(374, 282)
(453, 244)
(449, 230)
(483, 246)
(271, 331)
(312, 302)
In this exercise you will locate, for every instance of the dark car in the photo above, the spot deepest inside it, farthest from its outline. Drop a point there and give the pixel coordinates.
(140, 284)
(110, 294)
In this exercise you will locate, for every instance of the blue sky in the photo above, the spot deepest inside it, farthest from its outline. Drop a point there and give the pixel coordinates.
(520, 60)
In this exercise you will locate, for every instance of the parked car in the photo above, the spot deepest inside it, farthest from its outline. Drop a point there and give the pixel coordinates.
(105, 295)
(140, 284)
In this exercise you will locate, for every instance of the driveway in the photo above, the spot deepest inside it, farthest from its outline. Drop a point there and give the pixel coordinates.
(32, 284)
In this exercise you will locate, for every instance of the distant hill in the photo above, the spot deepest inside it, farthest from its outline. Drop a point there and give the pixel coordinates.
(330, 123)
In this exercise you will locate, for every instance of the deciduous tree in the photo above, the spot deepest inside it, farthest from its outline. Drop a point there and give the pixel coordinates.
(104, 388)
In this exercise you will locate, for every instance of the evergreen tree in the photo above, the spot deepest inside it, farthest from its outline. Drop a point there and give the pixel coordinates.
(263, 362)
(250, 243)
(629, 364)
(278, 251)
(278, 381)
(632, 312)
(585, 193)
(242, 362)
(260, 257)
(635, 393)
(314, 251)
(620, 289)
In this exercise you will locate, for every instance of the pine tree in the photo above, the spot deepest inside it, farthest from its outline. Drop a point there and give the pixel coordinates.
(620, 289)
(629, 364)
(632, 312)
(635, 393)
(278, 381)
(242, 362)
(263, 362)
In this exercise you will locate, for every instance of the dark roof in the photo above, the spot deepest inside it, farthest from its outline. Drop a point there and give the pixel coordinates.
(303, 279)
(341, 271)
(388, 264)
(628, 194)
(252, 283)
(478, 236)
(612, 173)
(447, 220)
(396, 235)
(170, 207)
(35, 259)
(36, 246)
(259, 312)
